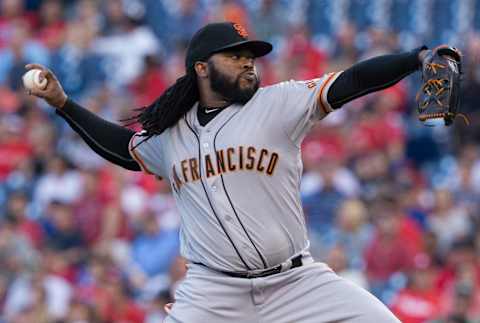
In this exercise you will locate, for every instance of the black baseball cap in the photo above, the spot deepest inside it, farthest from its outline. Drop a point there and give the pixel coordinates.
(218, 37)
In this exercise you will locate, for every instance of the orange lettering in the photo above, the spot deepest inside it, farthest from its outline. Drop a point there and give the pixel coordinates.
(184, 170)
(240, 157)
(250, 157)
(259, 165)
(231, 166)
(209, 166)
(194, 169)
(272, 164)
(220, 162)
(177, 183)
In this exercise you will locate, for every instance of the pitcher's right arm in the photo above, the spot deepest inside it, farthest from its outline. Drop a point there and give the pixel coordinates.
(107, 139)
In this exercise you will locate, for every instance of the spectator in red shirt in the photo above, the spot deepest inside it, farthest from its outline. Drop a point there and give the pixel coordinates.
(390, 251)
(462, 302)
(51, 31)
(151, 82)
(124, 309)
(419, 301)
(380, 127)
(301, 59)
(13, 147)
(91, 285)
(16, 213)
(12, 12)
(461, 269)
(89, 209)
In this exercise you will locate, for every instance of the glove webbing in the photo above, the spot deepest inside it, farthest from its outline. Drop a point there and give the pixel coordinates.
(438, 84)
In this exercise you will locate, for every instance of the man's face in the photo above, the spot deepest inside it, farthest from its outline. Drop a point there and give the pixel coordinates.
(233, 75)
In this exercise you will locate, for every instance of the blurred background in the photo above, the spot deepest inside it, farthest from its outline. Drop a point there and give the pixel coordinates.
(390, 204)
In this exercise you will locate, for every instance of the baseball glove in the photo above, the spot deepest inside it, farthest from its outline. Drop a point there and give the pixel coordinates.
(438, 98)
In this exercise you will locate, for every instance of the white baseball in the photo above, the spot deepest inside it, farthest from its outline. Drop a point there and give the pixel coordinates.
(31, 80)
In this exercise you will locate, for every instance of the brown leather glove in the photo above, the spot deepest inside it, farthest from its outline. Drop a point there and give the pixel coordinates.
(438, 98)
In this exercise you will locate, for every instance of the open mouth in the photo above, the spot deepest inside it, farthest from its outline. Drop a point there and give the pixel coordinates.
(249, 76)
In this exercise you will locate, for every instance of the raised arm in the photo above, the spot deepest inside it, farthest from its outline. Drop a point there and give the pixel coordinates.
(374, 74)
(107, 139)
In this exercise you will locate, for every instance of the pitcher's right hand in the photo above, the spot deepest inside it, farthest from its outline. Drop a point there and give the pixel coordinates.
(53, 93)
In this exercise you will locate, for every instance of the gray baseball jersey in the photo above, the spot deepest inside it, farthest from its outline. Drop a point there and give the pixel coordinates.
(236, 180)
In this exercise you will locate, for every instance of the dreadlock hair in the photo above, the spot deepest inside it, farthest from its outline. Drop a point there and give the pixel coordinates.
(172, 105)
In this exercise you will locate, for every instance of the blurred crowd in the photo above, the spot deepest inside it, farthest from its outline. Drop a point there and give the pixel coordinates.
(390, 204)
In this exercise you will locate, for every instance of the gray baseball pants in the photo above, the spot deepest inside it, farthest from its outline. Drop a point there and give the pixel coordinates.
(312, 293)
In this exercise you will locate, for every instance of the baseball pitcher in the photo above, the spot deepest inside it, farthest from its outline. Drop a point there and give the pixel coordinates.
(231, 153)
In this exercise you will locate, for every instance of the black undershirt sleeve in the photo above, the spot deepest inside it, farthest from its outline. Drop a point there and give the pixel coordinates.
(107, 139)
(372, 75)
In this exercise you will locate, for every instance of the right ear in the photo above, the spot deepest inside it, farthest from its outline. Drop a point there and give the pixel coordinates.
(201, 68)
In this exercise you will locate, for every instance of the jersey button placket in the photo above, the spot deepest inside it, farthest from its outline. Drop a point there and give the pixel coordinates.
(206, 146)
(258, 291)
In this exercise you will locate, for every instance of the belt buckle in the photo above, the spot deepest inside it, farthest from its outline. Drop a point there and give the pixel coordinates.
(264, 273)
(286, 265)
(273, 271)
(250, 275)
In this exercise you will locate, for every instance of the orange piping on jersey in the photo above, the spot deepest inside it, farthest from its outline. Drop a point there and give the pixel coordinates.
(137, 158)
(320, 95)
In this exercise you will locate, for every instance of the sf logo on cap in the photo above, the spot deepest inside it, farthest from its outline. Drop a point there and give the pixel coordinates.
(241, 30)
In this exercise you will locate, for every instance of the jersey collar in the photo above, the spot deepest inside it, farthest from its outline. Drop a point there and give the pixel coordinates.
(215, 122)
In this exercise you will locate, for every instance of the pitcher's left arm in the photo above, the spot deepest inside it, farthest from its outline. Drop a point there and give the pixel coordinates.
(374, 74)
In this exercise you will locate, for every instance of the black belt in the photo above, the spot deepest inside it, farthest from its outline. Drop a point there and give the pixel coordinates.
(296, 262)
